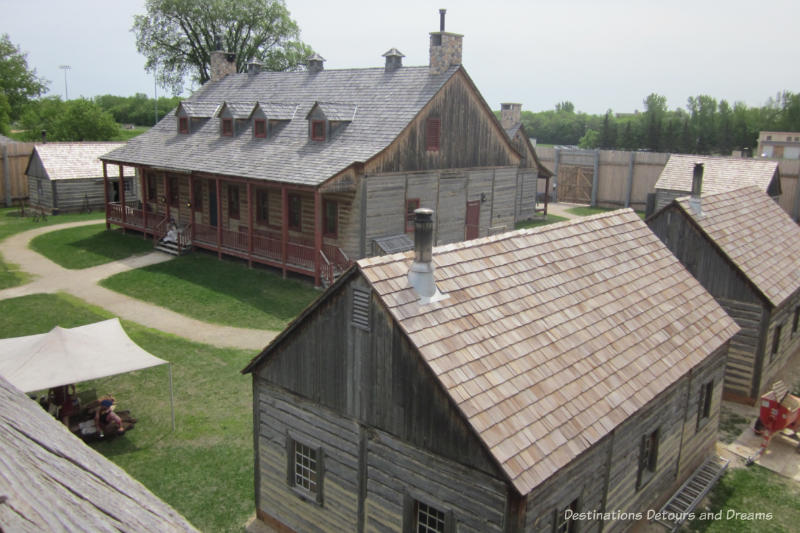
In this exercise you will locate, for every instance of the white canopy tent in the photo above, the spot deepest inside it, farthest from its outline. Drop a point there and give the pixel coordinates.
(63, 356)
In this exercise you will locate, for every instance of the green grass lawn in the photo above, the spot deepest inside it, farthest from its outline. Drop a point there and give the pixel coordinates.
(205, 468)
(219, 291)
(88, 246)
(11, 275)
(550, 219)
(751, 490)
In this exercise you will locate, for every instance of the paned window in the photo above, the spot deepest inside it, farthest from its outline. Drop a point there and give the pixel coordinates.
(776, 342)
(433, 134)
(330, 209)
(704, 403)
(411, 205)
(262, 206)
(295, 212)
(197, 193)
(429, 519)
(233, 201)
(305, 469)
(227, 127)
(317, 130)
(564, 521)
(260, 128)
(648, 458)
(183, 124)
(174, 191)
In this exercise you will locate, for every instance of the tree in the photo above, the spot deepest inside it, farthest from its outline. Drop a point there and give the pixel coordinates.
(565, 107)
(591, 139)
(76, 120)
(178, 36)
(17, 82)
(5, 115)
(655, 112)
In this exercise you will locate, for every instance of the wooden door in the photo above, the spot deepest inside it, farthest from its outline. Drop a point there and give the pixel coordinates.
(473, 219)
(575, 184)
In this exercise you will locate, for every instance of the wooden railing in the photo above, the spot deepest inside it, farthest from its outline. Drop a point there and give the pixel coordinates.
(134, 216)
(326, 268)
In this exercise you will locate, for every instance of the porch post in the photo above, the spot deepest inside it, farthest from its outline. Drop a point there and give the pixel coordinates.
(122, 195)
(143, 177)
(285, 226)
(105, 194)
(317, 235)
(219, 219)
(191, 204)
(249, 225)
(166, 195)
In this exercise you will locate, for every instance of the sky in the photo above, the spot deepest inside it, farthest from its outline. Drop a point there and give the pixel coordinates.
(599, 55)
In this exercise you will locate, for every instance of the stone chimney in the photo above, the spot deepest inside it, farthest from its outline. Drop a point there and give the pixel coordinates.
(445, 48)
(314, 63)
(253, 67)
(222, 64)
(510, 114)
(394, 59)
(421, 274)
(697, 189)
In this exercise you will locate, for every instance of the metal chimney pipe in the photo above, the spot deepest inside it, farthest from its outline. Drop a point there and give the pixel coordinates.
(423, 235)
(697, 180)
(421, 274)
(441, 19)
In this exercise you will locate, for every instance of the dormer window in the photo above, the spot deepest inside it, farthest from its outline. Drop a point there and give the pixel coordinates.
(260, 128)
(317, 130)
(183, 124)
(227, 127)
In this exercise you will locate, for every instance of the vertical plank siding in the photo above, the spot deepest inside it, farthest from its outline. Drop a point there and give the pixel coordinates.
(744, 347)
(788, 345)
(14, 157)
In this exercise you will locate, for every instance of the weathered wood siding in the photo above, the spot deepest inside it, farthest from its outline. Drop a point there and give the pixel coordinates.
(665, 196)
(583, 479)
(470, 135)
(40, 192)
(397, 472)
(728, 286)
(789, 343)
(527, 186)
(14, 158)
(282, 415)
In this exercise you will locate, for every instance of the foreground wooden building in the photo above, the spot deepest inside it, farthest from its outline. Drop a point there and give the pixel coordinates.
(309, 170)
(745, 250)
(51, 481)
(492, 385)
(720, 174)
(64, 177)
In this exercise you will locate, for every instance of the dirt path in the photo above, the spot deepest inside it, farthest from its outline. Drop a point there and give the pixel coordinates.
(51, 278)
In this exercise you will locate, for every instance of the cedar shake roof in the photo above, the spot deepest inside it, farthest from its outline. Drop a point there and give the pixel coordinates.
(386, 103)
(77, 160)
(756, 235)
(552, 337)
(720, 174)
(52, 481)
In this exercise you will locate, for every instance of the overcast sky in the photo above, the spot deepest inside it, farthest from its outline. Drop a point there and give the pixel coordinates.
(599, 54)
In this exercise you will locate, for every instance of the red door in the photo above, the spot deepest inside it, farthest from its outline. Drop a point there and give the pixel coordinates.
(473, 219)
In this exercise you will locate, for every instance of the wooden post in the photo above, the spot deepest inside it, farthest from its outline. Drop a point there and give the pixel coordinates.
(284, 226)
(105, 193)
(546, 193)
(219, 219)
(7, 176)
(143, 177)
(595, 177)
(317, 235)
(629, 184)
(249, 225)
(556, 162)
(166, 195)
(122, 196)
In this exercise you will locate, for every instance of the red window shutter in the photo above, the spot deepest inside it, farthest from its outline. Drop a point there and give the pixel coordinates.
(433, 134)
(227, 127)
(261, 128)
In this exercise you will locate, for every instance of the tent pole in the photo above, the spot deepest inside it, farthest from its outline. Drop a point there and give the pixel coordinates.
(171, 398)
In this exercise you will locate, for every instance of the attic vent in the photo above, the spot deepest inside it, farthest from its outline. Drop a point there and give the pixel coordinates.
(361, 309)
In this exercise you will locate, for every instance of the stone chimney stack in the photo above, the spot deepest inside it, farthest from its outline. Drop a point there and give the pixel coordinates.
(697, 189)
(314, 63)
(421, 274)
(222, 64)
(445, 48)
(510, 114)
(253, 67)
(394, 59)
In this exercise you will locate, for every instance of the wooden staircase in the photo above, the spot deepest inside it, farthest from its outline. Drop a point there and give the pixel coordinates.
(691, 493)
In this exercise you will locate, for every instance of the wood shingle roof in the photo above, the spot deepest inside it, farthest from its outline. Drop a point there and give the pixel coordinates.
(386, 103)
(75, 160)
(756, 235)
(552, 337)
(720, 174)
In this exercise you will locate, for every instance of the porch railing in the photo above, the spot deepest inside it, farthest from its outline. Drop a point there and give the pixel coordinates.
(134, 216)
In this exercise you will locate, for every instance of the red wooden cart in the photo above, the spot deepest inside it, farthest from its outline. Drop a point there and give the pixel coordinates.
(780, 411)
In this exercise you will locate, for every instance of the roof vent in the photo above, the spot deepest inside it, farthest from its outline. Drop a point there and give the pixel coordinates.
(314, 63)
(697, 188)
(394, 59)
(421, 274)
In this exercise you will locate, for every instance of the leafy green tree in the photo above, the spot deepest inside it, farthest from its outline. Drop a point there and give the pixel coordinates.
(17, 82)
(608, 132)
(5, 115)
(178, 36)
(565, 107)
(703, 111)
(76, 120)
(591, 139)
(655, 114)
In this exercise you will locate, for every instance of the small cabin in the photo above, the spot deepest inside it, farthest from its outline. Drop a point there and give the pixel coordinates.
(500, 384)
(65, 177)
(745, 250)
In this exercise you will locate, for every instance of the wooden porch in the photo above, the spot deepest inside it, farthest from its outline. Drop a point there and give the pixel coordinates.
(311, 257)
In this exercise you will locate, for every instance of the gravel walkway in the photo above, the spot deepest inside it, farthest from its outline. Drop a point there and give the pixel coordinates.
(51, 278)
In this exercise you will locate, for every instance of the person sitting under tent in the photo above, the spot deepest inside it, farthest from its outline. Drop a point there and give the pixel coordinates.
(67, 401)
(105, 419)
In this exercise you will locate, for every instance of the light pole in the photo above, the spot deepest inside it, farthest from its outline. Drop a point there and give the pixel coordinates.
(65, 68)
